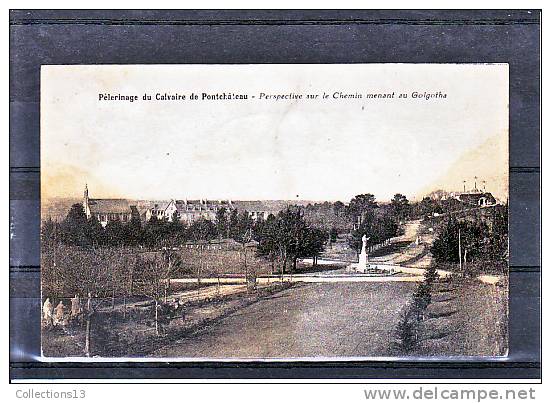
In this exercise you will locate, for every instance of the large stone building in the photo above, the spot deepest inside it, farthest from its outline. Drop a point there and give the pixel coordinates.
(189, 211)
(106, 210)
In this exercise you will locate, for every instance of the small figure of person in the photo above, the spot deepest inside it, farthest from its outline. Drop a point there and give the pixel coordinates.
(59, 314)
(47, 312)
(75, 306)
(176, 305)
(181, 311)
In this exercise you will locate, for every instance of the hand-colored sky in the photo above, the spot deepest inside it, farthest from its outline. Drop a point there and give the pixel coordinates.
(253, 149)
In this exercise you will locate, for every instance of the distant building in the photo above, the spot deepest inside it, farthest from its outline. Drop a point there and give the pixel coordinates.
(257, 209)
(192, 210)
(475, 196)
(106, 210)
(189, 211)
(157, 210)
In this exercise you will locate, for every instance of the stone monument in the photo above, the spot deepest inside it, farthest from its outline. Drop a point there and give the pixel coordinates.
(362, 262)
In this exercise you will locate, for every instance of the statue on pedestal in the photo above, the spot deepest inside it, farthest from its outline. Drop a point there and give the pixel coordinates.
(362, 262)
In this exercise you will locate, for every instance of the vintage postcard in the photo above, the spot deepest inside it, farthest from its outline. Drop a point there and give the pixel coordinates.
(287, 212)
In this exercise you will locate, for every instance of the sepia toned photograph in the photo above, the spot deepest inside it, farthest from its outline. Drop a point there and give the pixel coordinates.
(274, 212)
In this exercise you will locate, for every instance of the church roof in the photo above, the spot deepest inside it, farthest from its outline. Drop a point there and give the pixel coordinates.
(110, 206)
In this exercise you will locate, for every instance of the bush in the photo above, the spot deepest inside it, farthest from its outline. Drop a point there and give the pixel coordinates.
(406, 332)
(408, 326)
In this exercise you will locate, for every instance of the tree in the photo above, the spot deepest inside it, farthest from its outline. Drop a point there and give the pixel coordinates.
(95, 232)
(242, 232)
(291, 235)
(152, 282)
(202, 230)
(267, 240)
(430, 206)
(446, 245)
(222, 224)
(333, 234)
(232, 226)
(287, 237)
(366, 227)
(154, 276)
(326, 216)
(115, 233)
(471, 238)
(399, 207)
(243, 228)
(76, 214)
(406, 331)
(313, 244)
(284, 237)
(74, 270)
(377, 225)
(73, 227)
(338, 208)
(156, 231)
(48, 231)
(498, 248)
(176, 230)
(135, 231)
(361, 204)
(474, 237)
(172, 265)
(258, 227)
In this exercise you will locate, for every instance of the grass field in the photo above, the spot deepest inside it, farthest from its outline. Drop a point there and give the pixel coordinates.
(222, 260)
(465, 318)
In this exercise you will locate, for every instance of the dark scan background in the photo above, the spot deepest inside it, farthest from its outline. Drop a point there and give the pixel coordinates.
(383, 36)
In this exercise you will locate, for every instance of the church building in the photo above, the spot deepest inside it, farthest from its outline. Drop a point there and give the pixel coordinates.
(106, 210)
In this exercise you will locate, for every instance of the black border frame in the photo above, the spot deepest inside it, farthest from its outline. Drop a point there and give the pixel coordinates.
(283, 36)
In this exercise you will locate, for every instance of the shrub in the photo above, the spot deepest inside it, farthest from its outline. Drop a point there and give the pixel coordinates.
(406, 332)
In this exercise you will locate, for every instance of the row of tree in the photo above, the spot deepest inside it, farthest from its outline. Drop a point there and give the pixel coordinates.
(77, 230)
(399, 206)
(379, 221)
(282, 238)
(104, 272)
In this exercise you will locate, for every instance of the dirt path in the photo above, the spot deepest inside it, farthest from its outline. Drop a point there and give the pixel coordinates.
(412, 253)
(306, 321)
